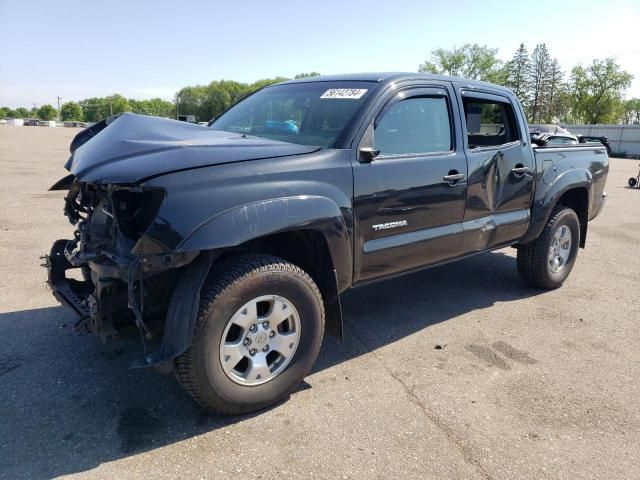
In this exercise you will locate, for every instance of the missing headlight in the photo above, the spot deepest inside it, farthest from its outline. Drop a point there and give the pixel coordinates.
(135, 210)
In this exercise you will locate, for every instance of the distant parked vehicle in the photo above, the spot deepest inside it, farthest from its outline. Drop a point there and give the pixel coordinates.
(187, 118)
(555, 134)
(75, 124)
(603, 140)
(31, 122)
(552, 134)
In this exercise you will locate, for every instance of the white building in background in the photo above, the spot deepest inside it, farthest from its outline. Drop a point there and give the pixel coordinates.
(15, 122)
(624, 139)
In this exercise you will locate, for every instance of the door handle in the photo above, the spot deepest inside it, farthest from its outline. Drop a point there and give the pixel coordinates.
(453, 177)
(520, 169)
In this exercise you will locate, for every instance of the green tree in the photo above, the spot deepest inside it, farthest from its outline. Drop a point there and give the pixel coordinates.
(631, 111)
(190, 100)
(553, 108)
(10, 113)
(477, 62)
(22, 112)
(307, 75)
(518, 69)
(539, 78)
(447, 62)
(597, 91)
(47, 112)
(117, 104)
(265, 82)
(70, 111)
(94, 109)
(208, 102)
(154, 106)
(98, 108)
(220, 96)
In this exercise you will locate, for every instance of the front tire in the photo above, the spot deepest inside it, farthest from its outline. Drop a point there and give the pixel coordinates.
(257, 334)
(547, 261)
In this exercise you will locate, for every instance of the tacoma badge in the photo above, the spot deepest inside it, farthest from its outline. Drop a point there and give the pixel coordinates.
(388, 225)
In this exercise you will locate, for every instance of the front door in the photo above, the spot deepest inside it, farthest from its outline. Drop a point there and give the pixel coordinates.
(409, 199)
(500, 182)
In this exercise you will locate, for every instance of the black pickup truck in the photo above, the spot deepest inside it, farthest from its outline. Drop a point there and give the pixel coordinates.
(227, 246)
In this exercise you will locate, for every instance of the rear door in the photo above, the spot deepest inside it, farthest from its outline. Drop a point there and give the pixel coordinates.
(409, 200)
(500, 180)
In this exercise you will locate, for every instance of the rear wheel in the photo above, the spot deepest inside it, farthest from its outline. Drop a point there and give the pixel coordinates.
(632, 182)
(547, 261)
(257, 334)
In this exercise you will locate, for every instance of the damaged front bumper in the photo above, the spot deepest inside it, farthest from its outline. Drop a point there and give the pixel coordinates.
(68, 291)
(116, 289)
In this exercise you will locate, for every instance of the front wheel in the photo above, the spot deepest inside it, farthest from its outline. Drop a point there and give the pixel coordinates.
(547, 261)
(632, 182)
(257, 334)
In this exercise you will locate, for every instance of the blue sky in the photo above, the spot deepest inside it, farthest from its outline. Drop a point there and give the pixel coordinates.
(143, 48)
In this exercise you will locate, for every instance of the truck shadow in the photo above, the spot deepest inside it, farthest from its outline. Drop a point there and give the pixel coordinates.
(69, 404)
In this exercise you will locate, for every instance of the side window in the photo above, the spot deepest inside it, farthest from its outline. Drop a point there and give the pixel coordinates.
(414, 125)
(489, 123)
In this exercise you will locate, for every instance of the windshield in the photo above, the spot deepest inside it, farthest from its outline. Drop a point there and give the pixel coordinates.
(314, 113)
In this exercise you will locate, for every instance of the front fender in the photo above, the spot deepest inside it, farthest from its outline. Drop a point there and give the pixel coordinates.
(547, 197)
(258, 219)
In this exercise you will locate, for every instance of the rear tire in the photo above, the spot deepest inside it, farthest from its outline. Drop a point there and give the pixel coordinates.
(545, 263)
(215, 380)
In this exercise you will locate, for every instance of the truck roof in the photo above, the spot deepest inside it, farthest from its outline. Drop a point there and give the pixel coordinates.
(388, 77)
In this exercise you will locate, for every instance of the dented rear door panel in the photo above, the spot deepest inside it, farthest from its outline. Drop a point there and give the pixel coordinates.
(500, 183)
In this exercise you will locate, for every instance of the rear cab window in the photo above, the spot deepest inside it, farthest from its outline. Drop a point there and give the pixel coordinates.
(490, 122)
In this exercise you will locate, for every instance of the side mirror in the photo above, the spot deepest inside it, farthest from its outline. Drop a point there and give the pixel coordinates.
(367, 154)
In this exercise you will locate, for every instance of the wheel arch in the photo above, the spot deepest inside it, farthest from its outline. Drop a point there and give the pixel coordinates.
(573, 189)
(312, 217)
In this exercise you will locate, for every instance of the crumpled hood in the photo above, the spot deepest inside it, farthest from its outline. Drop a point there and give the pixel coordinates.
(130, 148)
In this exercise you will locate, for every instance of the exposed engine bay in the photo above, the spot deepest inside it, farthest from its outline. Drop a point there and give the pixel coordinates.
(118, 289)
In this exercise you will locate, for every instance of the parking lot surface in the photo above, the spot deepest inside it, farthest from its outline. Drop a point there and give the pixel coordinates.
(459, 371)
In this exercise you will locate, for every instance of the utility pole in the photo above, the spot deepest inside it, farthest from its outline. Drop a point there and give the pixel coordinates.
(59, 107)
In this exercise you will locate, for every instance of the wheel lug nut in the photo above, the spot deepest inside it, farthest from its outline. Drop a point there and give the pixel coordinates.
(265, 325)
(252, 351)
(253, 328)
(247, 341)
(271, 334)
(266, 347)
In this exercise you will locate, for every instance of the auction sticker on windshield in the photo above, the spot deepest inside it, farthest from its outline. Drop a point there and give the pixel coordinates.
(354, 93)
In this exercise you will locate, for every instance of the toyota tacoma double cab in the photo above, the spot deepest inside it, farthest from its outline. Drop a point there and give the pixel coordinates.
(227, 246)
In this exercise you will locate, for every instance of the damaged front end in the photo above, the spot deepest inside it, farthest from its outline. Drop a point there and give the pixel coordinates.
(115, 289)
